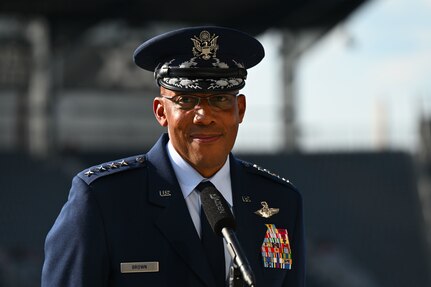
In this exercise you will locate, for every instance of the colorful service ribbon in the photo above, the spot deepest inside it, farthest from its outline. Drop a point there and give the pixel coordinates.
(275, 249)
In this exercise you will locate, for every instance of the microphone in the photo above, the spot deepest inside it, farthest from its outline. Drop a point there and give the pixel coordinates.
(223, 224)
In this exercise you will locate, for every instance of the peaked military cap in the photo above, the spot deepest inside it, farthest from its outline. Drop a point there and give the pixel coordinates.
(200, 59)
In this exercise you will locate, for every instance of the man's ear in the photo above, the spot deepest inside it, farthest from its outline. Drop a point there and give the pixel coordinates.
(159, 111)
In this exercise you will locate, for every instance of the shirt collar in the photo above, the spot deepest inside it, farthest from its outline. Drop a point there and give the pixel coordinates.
(189, 178)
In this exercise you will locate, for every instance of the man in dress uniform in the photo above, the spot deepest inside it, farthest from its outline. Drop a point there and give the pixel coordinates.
(137, 221)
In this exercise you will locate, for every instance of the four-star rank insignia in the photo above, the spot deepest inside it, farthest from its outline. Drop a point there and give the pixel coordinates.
(205, 46)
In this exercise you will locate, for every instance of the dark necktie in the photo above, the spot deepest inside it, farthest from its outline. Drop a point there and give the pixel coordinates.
(212, 244)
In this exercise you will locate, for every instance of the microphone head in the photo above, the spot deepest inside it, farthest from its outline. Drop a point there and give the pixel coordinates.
(217, 210)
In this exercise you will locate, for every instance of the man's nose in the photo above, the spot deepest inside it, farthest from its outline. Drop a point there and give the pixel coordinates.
(203, 112)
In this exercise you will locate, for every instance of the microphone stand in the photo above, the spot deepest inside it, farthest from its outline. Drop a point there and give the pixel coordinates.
(235, 277)
(240, 274)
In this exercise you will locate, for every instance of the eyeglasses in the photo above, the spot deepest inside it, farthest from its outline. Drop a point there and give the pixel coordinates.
(218, 101)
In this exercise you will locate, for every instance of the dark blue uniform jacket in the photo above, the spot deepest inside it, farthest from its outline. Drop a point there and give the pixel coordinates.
(133, 210)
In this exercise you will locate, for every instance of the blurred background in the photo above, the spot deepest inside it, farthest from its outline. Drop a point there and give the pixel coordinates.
(340, 105)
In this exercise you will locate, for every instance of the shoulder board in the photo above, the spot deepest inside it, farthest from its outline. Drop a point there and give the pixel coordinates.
(265, 172)
(91, 174)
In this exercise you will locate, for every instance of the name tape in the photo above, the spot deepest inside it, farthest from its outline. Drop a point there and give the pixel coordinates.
(139, 267)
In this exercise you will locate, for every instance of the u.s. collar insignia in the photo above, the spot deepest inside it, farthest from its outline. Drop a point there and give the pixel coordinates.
(205, 46)
(165, 193)
(266, 211)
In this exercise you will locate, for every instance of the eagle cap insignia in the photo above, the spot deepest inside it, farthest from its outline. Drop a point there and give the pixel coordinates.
(266, 211)
(205, 45)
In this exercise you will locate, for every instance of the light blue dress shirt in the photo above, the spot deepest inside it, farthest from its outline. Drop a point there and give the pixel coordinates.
(189, 178)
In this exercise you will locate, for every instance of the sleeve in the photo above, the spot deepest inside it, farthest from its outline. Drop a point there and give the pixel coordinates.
(297, 277)
(75, 248)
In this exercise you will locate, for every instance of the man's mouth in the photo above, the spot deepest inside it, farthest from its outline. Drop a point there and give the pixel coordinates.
(206, 138)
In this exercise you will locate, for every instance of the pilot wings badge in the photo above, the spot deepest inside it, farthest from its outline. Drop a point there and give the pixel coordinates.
(266, 211)
(205, 46)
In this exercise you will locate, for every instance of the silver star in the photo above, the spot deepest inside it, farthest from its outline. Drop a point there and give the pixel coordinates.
(113, 165)
(89, 173)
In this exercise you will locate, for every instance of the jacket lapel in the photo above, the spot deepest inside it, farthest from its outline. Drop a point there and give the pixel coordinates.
(174, 221)
(250, 228)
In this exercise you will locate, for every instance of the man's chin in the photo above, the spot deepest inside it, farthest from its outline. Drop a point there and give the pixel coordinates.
(205, 164)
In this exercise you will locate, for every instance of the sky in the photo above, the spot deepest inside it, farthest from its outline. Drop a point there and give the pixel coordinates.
(363, 86)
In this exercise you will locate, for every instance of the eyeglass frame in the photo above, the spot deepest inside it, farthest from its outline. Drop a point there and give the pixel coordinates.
(198, 101)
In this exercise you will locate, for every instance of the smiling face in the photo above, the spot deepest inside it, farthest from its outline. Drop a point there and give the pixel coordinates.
(204, 135)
